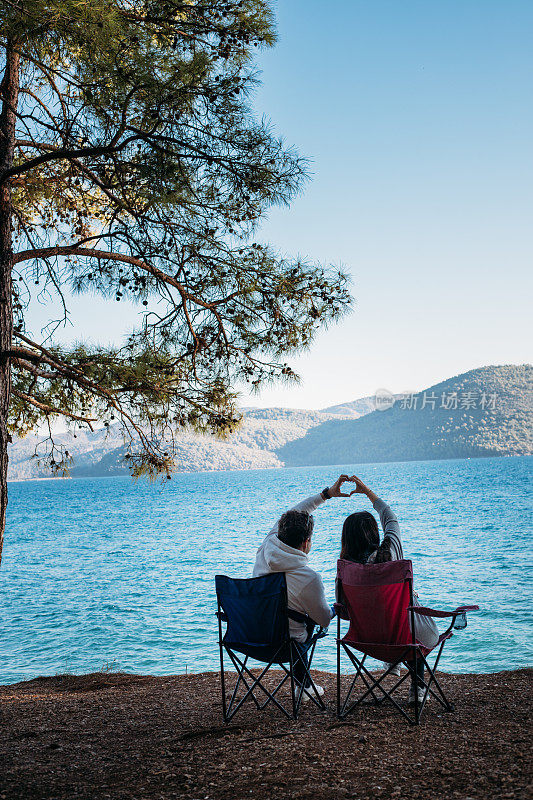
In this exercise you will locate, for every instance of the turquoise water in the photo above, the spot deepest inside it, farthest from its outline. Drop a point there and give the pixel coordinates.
(106, 572)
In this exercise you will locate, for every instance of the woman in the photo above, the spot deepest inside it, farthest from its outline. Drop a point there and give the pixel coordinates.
(360, 543)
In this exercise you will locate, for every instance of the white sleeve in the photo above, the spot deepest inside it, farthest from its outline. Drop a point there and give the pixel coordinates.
(308, 505)
(313, 600)
(391, 528)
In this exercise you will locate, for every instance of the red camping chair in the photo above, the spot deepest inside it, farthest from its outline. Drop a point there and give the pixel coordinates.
(377, 599)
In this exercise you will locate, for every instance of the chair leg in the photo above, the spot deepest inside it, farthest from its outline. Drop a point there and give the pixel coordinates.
(295, 704)
(251, 682)
(439, 695)
(241, 678)
(222, 676)
(373, 685)
(338, 667)
(256, 683)
(443, 700)
(415, 677)
(317, 700)
(359, 666)
(276, 690)
(377, 700)
(396, 686)
(376, 684)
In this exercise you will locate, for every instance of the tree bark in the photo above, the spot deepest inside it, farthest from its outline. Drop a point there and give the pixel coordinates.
(9, 89)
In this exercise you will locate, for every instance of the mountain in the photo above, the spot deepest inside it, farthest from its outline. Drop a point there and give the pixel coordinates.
(357, 408)
(254, 446)
(483, 412)
(86, 447)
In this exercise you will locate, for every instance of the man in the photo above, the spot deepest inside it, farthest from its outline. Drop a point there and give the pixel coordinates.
(286, 549)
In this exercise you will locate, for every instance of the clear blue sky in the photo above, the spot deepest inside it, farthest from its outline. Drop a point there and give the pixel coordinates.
(417, 118)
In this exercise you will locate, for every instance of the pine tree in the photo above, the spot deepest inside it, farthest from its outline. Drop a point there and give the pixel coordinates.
(132, 166)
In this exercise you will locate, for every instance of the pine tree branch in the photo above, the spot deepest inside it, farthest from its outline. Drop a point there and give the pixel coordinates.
(55, 88)
(38, 373)
(41, 103)
(51, 409)
(119, 201)
(78, 377)
(65, 153)
(72, 372)
(107, 255)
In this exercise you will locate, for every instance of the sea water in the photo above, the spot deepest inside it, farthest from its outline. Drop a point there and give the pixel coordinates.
(107, 573)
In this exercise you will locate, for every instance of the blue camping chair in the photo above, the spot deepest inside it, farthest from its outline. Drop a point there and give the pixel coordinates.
(257, 627)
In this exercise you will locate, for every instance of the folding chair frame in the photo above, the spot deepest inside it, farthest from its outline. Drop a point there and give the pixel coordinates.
(410, 658)
(251, 682)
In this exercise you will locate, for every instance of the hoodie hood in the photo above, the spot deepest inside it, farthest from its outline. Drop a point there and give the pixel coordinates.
(280, 557)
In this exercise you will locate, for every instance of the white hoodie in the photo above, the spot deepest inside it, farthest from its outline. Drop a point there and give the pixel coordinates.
(305, 591)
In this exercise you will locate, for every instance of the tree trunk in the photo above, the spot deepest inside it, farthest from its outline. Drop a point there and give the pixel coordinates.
(9, 94)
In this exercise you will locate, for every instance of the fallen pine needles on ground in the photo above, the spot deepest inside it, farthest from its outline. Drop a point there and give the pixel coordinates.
(129, 737)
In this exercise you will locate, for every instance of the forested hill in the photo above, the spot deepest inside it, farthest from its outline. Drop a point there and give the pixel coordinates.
(254, 446)
(484, 412)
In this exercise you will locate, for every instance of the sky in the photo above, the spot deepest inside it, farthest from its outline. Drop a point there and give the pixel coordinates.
(417, 120)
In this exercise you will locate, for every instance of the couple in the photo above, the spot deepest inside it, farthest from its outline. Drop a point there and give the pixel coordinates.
(286, 549)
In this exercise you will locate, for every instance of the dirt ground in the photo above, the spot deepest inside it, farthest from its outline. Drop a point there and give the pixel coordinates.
(126, 736)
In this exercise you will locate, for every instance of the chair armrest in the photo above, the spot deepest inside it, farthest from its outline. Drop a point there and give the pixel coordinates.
(341, 610)
(458, 622)
(298, 616)
(310, 624)
(424, 611)
(221, 616)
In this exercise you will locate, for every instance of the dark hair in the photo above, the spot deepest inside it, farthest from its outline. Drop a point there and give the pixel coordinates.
(295, 527)
(360, 538)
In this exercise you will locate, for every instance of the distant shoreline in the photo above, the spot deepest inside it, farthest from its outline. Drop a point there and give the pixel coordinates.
(276, 468)
(51, 478)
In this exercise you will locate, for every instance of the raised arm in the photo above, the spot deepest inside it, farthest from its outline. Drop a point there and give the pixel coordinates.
(311, 503)
(388, 519)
